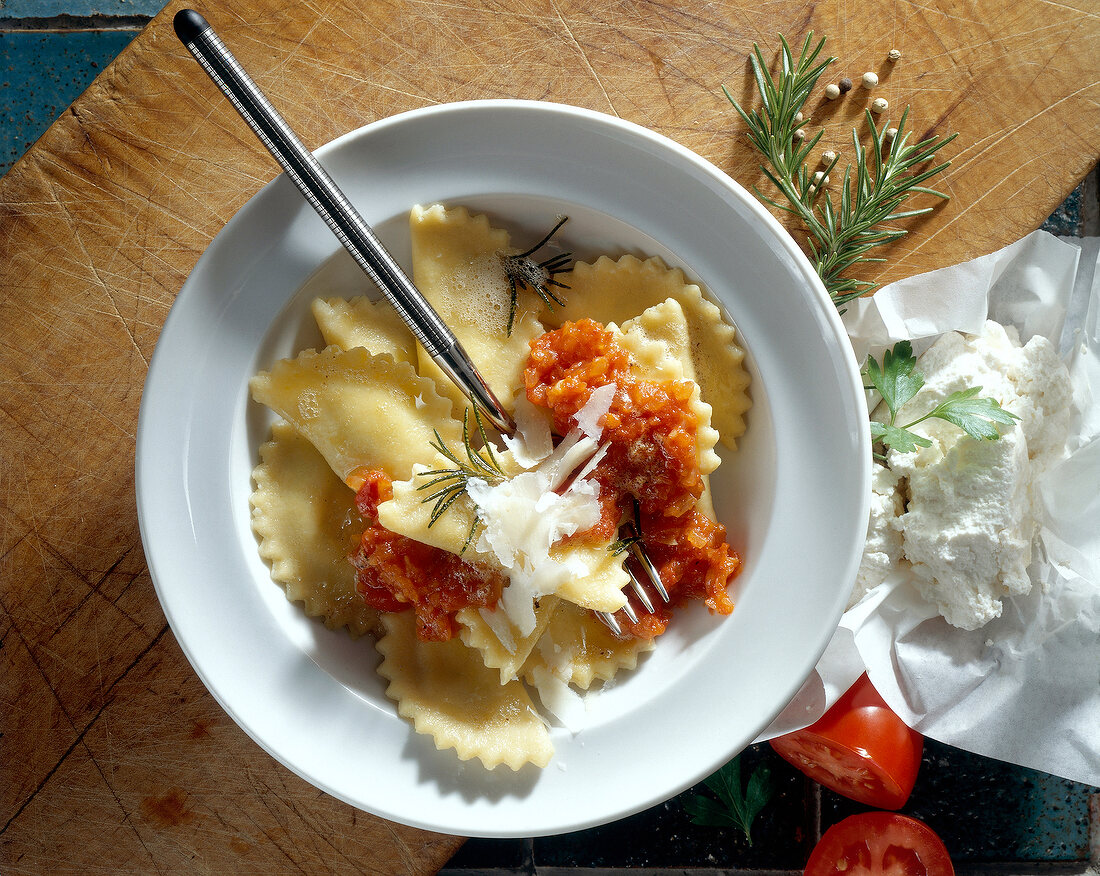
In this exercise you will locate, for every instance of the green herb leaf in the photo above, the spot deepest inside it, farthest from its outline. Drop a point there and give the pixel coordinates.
(897, 380)
(448, 484)
(708, 812)
(522, 270)
(975, 416)
(735, 807)
(897, 438)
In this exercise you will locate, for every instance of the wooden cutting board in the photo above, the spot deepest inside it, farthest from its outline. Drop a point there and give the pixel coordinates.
(113, 754)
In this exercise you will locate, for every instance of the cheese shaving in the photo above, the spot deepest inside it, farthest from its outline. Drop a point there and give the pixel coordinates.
(559, 699)
(532, 442)
(598, 404)
(524, 517)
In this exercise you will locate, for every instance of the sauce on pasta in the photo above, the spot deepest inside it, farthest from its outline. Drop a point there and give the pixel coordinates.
(396, 573)
(651, 429)
(652, 459)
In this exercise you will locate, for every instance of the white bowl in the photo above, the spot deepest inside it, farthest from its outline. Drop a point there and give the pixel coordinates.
(793, 497)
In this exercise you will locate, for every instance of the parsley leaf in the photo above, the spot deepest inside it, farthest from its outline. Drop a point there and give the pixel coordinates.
(900, 439)
(898, 381)
(735, 807)
(975, 416)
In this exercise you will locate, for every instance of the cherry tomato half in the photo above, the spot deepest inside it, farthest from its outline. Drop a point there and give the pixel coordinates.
(880, 844)
(859, 748)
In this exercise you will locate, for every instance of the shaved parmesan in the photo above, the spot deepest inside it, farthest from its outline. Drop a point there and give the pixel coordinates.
(524, 517)
(598, 404)
(559, 699)
(533, 441)
(498, 623)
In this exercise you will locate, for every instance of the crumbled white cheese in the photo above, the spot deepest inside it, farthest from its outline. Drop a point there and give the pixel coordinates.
(971, 511)
(882, 551)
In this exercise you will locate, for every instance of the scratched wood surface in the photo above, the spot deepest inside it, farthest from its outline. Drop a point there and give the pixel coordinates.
(113, 756)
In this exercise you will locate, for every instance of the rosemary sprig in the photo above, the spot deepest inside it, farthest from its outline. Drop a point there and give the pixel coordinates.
(537, 276)
(448, 484)
(841, 233)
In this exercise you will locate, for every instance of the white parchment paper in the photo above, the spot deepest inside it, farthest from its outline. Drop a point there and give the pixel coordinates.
(1026, 687)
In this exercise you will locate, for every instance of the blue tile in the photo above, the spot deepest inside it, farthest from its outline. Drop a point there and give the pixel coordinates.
(48, 8)
(40, 75)
(1066, 220)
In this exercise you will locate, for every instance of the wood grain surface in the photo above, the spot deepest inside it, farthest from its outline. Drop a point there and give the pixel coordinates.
(114, 758)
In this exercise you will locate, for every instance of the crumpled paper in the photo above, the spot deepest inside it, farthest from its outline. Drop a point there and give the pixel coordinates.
(1026, 687)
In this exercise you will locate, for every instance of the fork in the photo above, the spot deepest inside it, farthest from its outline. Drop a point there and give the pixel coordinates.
(637, 550)
(311, 179)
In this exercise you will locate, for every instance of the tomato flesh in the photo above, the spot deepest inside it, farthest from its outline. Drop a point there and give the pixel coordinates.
(880, 844)
(859, 748)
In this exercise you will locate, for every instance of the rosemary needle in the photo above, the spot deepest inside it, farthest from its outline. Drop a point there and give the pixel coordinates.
(840, 233)
(448, 484)
(521, 269)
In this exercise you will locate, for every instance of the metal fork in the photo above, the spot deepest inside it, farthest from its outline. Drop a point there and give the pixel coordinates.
(360, 240)
(637, 550)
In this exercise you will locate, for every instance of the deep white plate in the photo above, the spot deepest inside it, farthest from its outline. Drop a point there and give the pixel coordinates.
(793, 497)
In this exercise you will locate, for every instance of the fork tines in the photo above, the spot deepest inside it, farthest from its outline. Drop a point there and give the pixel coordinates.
(637, 550)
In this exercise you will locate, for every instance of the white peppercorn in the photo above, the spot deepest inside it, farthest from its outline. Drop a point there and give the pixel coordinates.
(870, 80)
(832, 91)
(891, 133)
(893, 56)
(800, 134)
(828, 156)
(879, 105)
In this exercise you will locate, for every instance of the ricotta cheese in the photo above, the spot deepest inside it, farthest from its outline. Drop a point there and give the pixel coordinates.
(966, 510)
(882, 552)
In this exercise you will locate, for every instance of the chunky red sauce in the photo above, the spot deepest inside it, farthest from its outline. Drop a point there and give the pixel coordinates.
(396, 573)
(650, 426)
(694, 562)
(652, 459)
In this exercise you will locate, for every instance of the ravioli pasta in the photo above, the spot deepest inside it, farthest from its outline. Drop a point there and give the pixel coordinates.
(361, 322)
(450, 695)
(360, 411)
(372, 402)
(303, 516)
(607, 289)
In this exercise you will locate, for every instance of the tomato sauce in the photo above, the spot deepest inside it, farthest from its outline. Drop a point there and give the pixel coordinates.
(651, 426)
(694, 562)
(652, 459)
(651, 429)
(396, 573)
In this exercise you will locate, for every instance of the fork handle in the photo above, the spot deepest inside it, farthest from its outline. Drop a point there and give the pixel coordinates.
(333, 206)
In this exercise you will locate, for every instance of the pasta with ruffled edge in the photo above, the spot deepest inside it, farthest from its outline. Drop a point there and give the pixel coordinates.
(360, 411)
(361, 322)
(568, 643)
(450, 695)
(305, 519)
(608, 291)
